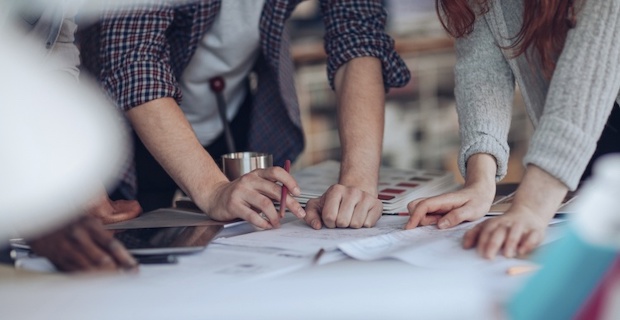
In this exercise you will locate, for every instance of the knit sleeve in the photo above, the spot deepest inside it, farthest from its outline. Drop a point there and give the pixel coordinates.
(581, 94)
(484, 92)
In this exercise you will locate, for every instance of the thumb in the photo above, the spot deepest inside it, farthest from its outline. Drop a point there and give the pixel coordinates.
(313, 214)
(451, 219)
(123, 210)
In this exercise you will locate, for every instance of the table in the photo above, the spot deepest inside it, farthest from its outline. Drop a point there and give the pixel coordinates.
(347, 289)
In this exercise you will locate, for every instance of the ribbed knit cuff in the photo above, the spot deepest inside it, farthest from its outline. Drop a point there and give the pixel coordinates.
(480, 142)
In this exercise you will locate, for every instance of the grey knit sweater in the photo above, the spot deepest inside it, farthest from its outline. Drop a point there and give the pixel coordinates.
(568, 113)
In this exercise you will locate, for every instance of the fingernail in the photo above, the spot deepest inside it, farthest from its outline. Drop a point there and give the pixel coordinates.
(301, 212)
(316, 224)
(443, 224)
(296, 191)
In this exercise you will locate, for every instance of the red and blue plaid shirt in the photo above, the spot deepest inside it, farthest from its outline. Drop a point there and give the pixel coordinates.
(138, 54)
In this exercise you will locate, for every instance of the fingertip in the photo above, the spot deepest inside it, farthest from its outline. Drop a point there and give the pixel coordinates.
(411, 223)
(296, 191)
(443, 224)
(316, 224)
(467, 244)
(301, 213)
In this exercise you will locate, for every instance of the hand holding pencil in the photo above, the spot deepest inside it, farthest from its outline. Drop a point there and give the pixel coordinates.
(251, 197)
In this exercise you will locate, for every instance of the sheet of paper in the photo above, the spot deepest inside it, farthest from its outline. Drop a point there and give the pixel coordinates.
(218, 264)
(298, 236)
(426, 246)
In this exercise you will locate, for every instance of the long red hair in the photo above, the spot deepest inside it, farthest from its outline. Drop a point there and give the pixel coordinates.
(544, 28)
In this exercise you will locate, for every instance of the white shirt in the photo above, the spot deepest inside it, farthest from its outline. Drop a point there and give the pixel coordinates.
(229, 49)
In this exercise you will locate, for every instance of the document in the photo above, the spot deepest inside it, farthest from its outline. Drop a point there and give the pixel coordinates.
(423, 246)
(298, 236)
(427, 246)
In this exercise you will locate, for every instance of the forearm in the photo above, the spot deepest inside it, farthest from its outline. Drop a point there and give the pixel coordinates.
(540, 193)
(164, 130)
(361, 103)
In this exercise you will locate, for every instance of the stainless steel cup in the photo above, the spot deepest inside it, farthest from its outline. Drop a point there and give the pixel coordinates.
(236, 164)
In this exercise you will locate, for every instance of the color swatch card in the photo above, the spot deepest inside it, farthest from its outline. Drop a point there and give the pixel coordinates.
(397, 187)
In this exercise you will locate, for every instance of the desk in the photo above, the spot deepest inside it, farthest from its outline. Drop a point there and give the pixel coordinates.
(346, 289)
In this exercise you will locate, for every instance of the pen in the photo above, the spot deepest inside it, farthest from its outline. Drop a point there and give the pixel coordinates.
(287, 167)
(157, 259)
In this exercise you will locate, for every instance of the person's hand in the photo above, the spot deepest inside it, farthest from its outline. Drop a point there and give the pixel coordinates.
(84, 245)
(517, 232)
(251, 197)
(344, 207)
(109, 211)
(522, 227)
(450, 209)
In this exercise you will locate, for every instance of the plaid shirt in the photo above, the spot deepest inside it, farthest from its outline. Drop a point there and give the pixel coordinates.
(139, 54)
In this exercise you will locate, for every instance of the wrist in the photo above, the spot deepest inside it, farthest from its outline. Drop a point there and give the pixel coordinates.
(205, 195)
(481, 170)
(539, 192)
(364, 181)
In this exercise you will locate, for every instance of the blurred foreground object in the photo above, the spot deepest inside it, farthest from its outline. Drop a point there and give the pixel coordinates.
(578, 265)
(59, 141)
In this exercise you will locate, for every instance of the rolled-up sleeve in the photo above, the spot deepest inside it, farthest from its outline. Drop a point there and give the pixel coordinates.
(356, 28)
(484, 92)
(134, 55)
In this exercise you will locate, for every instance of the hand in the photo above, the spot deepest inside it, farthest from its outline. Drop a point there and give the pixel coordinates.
(522, 228)
(450, 209)
(344, 207)
(251, 196)
(84, 245)
(109, 211)
(518, 231)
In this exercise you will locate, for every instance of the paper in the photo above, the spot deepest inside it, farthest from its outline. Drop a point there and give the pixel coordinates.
(396, 187)
(297, 235)
(426, 246)
(218, 263)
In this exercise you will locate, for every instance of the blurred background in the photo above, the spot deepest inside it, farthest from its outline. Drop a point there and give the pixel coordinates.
(421, 128)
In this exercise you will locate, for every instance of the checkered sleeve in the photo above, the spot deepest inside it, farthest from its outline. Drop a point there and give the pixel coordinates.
(134, 54)
(355, 28)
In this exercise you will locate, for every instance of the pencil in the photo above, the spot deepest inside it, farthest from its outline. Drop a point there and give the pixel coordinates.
(517, 270)
(287, 167)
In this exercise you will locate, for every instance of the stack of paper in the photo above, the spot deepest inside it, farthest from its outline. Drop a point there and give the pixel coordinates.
(396, 187)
